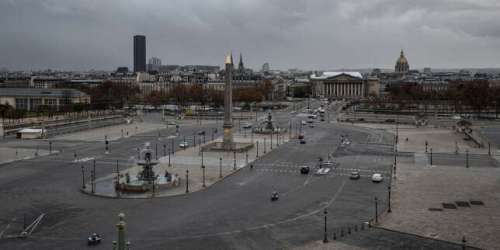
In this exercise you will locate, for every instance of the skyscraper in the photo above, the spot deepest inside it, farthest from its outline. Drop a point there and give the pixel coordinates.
(139, 53)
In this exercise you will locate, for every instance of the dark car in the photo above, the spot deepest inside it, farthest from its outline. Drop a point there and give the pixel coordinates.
(94, 239)
(274, 196)
(301, 136)
(354, 175)
(201, 132)
(305, 170)
(302, 141)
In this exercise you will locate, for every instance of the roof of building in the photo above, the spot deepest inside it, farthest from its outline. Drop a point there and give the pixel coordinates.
(41, 92)
(326, 75)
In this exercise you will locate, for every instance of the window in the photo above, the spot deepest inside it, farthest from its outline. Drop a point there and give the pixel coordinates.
(22, 103)
(50, 101)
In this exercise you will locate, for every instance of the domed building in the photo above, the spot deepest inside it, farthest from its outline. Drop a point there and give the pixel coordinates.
(402, 65)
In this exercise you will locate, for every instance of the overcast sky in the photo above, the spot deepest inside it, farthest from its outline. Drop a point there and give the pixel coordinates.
(306, 34)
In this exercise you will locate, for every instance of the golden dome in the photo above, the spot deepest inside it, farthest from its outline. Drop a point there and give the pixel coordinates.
(402, 58)
(402, 65)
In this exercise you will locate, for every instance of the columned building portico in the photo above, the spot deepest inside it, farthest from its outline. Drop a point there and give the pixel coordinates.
(348, 85)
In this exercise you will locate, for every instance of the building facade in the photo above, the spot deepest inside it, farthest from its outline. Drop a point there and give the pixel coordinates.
(139, 53)
(339, 85)
(30, 99)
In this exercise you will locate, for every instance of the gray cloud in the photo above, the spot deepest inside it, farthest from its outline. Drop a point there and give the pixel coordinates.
(324, 34)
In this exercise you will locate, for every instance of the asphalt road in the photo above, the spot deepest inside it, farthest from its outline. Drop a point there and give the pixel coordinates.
(235, 213)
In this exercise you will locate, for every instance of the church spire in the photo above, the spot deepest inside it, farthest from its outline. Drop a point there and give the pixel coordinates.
(241, 67)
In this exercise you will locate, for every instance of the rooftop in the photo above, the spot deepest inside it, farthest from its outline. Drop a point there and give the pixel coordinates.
(326, 75)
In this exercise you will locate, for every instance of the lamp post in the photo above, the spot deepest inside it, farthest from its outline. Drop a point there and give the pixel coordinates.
(50, 147)
(246, 157)
(271, 135)
(172, 146)
(431, 156)
(264, 145)
(169, 158)
(156, 151)
(467, 158)
(257, 155)
(203, 169)
(187, 180)
(234, 160)
(389, 210)
(83, 177)
(325, 237)
(376, 210)
(220, 167)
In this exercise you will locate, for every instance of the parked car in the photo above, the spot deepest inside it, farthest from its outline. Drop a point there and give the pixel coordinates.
(301, 136)
(354, 175)
(322, 171)
(305, 170)
(201, 132)
(94, 239)
(303, 122)
(247, 125)
(377, 177)
(302, 141)
(183, 145)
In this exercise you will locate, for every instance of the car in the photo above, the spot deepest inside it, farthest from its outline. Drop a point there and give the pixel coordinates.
(322, 171)
(201, 132)
(377, 177)
(310, 121)
(311, 125)
(171, 123)
(94, 239)
(302, 141)
(183, 145)
(301, 136)
(322, 119)
(247, 125)
(354, 175)
(303, 122)
(274, 196)
(305, 170)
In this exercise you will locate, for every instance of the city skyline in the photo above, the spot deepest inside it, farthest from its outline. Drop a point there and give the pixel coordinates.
(82, 35)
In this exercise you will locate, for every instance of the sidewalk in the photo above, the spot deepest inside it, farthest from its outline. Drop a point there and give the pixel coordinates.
(9, 154)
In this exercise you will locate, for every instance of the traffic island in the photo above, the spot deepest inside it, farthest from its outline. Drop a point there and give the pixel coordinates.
(186, 171)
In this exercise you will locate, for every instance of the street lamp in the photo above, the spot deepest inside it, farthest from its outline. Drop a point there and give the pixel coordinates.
(467, 158)
(203, 169)
(325, 238)
(257, 155)
(376, 210)
(187, 180)
(389, 210)
(83, 177)
(234, 158)
(220, 167)
(50, 147)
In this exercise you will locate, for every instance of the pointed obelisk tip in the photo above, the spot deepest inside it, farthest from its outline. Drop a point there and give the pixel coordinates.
(229, 59)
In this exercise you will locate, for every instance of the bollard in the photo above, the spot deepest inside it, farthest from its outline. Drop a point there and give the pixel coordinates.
(355, 228)
(349, 230)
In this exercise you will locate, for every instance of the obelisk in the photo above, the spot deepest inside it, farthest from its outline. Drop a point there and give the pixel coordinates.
(228, 143)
